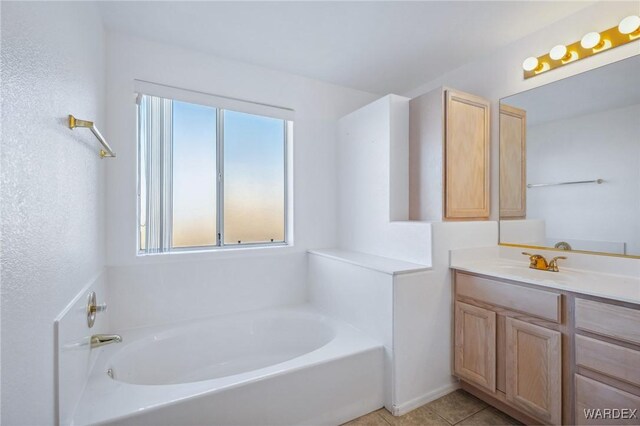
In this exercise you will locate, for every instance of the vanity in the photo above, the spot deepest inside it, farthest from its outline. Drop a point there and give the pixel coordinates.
(545, 352)
(559, 342)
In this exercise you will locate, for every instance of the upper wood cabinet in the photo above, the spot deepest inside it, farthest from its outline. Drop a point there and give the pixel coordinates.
(475, 345)
(534, 370)
(466, 153)
(513, 158)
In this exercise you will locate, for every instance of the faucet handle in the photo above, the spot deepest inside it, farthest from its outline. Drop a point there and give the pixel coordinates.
(553, 263)
(533, 258)
(93, 308)
(532, 255)
(98, 308)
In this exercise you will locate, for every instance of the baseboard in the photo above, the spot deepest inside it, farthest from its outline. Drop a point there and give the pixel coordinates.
(399, 410)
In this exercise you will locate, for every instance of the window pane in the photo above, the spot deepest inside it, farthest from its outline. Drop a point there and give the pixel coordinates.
(254, 184)
(194, 175)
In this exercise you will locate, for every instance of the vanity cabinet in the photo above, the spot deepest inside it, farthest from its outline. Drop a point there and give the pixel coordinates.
(507, 344)
(534, 370)
(545, 355)
(475, 345)
(607, 358)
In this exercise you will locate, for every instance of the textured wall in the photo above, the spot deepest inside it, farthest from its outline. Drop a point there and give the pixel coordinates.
(52, 188)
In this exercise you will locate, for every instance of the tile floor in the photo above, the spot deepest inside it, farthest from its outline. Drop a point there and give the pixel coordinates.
(456, 408)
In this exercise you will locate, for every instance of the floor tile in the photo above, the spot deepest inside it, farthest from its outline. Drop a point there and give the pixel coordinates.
(489, 416)
(371, 419)
(418, 417)
(456, 406)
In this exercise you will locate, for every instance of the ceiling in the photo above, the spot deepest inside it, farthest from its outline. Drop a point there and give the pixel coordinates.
(380, 47)
(613, 86)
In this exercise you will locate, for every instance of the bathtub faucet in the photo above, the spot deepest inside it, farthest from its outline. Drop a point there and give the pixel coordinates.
(98, 340)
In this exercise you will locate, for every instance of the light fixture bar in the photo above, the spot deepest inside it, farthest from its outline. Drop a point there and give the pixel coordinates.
(609, 39)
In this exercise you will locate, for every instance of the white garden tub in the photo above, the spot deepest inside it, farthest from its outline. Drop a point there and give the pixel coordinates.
(284, 366)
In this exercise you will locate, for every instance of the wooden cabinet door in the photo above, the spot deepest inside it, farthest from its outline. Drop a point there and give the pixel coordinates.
(466, 152)
(513, 155)
(534, 370)
(475, 345)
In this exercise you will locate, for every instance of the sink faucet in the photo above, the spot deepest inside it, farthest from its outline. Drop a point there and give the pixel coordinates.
(98, 340)
(537, 261)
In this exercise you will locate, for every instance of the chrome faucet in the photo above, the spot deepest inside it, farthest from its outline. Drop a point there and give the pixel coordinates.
(98, 340)
(537, 261)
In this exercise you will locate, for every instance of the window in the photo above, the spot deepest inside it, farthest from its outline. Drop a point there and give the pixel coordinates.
(209, 177)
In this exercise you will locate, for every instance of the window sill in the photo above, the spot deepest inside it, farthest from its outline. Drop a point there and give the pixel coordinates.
(208, 250)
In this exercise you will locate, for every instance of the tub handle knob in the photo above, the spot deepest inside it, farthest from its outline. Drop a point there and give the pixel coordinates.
(99, 308)
(93, 308)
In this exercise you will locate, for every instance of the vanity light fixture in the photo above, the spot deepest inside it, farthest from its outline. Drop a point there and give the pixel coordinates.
(630, 25)
(592, 40)
(560, 53)
(591, 44)
(531, 64)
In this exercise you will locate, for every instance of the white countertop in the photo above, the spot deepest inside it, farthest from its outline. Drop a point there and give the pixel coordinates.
(377, 263)
(625, 288)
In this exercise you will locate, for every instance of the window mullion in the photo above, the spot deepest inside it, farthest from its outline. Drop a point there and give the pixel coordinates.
(220, 176)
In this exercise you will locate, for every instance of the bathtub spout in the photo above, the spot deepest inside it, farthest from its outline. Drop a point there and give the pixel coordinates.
(98, 340)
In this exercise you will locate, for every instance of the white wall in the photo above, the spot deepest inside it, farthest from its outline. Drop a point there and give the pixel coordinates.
(53, 239)
(500, 74)
(164, 293)
(218, 282)
(373, 191)
(426, 150)
(604, 145)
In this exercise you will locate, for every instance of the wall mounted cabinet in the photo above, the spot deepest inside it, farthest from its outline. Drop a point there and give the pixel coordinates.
(466, 152)
(449, 150)
(513, 162)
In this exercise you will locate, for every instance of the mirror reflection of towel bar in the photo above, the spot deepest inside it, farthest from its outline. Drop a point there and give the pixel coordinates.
(535, 185)
(106, 151)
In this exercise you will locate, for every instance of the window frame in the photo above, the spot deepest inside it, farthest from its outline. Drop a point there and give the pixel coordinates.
(236, 105)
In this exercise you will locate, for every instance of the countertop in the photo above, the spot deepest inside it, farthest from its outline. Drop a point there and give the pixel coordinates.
(625, 288)
(377, 263)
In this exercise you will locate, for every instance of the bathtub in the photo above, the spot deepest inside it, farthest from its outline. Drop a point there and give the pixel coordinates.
(275, 367)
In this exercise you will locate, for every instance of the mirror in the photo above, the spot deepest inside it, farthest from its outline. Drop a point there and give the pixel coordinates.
(570, 163)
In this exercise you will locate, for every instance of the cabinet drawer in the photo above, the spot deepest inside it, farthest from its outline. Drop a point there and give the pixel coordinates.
(613, 321)
(538, 303)
(592, 396)
(609, 359)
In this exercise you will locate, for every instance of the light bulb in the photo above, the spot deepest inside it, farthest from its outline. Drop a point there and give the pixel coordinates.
(629, 25)
(530, 64)
(591, 40)
(558, 52)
